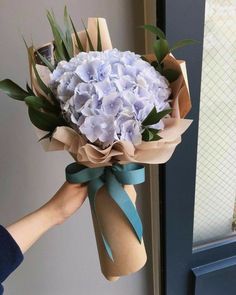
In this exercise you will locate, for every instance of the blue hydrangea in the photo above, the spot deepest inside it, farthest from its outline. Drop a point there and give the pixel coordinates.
(106, 95)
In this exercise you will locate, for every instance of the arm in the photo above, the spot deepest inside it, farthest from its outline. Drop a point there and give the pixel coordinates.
(30, 228)
(17, 238)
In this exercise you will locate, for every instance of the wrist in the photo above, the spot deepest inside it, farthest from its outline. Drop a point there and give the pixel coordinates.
(51, 215)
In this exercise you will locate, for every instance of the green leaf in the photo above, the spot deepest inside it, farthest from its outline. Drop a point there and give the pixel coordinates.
(11, 89)
(155, 133)
(30, 52)
(156, 137)
(34, 102)
(56, 36)
(153, 130)
(68, 32)
(30, 91)
(44, 121)
(154, 117)
(65, 52)
(183, 43)
(59, 38)
(157, 66)
(162, 114)
(151, 118)
(150, 134)
(45, 61)
(170, 74)
(37, 102)
(147, 135)
(44, 88)
(161, 49)
(155, 30)
(79, 44)
(99, 41)
(88, 37)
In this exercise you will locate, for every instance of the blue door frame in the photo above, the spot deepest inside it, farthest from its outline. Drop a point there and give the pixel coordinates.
(210, 270)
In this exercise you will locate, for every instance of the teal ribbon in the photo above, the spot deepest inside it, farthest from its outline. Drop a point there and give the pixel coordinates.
(113, 178)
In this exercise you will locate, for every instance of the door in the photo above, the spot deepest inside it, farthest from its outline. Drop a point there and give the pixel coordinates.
(198, 183)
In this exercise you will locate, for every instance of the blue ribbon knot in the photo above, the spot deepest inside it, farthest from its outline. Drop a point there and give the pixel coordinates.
(113, 178)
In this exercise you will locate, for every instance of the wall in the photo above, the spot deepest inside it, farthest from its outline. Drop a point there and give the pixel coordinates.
(65, 260)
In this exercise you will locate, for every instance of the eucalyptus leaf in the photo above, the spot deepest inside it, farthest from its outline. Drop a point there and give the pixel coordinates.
(44, 121)
(183, 43)
(171, 75)
(155, 30)
(161, 49)
(11, 89)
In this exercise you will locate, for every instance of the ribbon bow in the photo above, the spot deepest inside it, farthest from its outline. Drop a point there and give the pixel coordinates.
(113, 178)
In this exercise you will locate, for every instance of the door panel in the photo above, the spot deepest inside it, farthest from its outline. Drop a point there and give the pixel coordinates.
(216, 278)
(202, 267)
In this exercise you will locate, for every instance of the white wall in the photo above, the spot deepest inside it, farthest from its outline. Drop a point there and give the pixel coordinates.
(65, 260)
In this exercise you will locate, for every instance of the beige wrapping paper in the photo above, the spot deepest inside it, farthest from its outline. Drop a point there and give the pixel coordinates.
(129, 255)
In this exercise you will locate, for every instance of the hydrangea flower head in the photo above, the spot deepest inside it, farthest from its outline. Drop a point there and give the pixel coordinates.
(106, 95)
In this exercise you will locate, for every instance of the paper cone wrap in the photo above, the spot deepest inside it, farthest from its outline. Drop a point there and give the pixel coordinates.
(129, 254)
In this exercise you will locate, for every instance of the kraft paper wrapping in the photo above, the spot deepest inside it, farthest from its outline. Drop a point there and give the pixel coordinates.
(129, 255)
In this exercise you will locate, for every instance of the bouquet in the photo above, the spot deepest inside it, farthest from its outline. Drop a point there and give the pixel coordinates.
(111, 111)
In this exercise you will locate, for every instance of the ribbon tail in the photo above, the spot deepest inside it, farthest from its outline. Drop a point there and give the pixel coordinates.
(122, 199)
(107, 247)
(93, 187)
